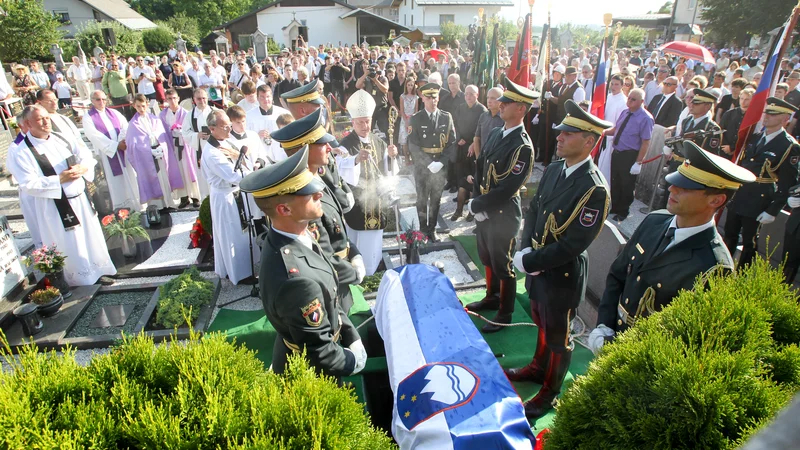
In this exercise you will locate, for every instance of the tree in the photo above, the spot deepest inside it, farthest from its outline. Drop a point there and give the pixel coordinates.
(452, 32)
(736, 21)
(209, 14)
(666, 8)
(507, 30)
(186, 26)
(631, 37)
(157, 40)
(27, 30)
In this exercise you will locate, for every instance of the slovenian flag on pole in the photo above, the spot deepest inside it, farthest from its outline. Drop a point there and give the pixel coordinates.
(598, 108)
(766, 87)
(449, 389)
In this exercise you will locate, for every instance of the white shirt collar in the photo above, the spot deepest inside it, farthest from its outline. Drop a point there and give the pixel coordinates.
(365, 140)
(569, 170)
(304, 238)
(667, 96)
(508, 131)
(681, 234)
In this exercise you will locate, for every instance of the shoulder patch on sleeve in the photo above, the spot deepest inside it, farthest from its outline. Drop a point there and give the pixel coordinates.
(518, 167)
(589, 216)
(313, 313)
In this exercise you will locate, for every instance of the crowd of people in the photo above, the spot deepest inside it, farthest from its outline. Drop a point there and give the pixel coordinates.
(256, 138)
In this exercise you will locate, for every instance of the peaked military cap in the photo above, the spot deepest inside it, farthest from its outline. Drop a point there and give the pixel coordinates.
(288, 177)
(430, 90)
(307, 130)
(579, 120)
(778, 106)
(702, 169)
(307, 93)
(702, 96)
(516, 93)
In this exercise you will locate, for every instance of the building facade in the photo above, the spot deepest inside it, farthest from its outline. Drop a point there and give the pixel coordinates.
(74, 14)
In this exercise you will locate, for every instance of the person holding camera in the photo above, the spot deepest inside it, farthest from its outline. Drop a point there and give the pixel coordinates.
(377, 86)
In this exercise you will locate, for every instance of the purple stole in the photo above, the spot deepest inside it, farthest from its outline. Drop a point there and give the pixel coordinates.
(20, 137)
(114, 162)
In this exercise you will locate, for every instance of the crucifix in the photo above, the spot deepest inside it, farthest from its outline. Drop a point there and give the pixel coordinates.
(69, 217)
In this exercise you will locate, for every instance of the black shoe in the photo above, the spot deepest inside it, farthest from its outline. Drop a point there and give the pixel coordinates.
(432, 237)
(489, 303)
(455, 199)
(456, 215)
(470, 217)
(454, 189)
(499, 318)
(620, 217)
(195, 203)
(184, 202)
(529, 373)
(106, 281)
(251, 280)
(447, 186)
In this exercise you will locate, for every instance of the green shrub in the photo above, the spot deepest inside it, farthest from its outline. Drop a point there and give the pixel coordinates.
(197, 394)
(706, 372)
(183, 296)
(205, 216)
(157, 40)
(187, 26)
(91, 36)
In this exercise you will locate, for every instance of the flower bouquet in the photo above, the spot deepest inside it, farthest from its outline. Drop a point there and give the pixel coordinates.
(414, 240)
(198, 234)
(50, 262)
(127, 225)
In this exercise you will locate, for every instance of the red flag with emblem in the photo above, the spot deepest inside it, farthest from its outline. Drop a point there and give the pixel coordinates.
(520, 69)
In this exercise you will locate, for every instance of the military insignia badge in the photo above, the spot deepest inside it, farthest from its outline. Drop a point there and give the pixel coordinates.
(589, 216)
(794, 160)
(714, 142)
(518, 167)
(313, 313)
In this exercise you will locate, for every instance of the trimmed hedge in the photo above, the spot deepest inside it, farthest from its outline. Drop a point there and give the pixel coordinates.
(157, 40)
(706, 372)
(196, 394)
(181, 298)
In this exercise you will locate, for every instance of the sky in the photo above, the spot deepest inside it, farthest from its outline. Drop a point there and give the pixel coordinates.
(581, 12)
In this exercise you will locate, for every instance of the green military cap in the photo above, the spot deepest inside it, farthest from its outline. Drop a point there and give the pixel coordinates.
(702, 96)
(778, 106)
(579, 120)
(516, 93)
(430, 90)
(288, 177)
(307, 130)
(702, 169)
(307, 93)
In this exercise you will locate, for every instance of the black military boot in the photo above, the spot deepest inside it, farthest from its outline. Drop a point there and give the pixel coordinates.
(536, 369)
(545, 400)
(508, 296)
(491, 301)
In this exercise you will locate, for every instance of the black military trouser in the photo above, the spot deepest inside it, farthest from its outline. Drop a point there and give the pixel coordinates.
(429, 195)
(749, 227)
(622, 182)
(496, 244)
(791, 251)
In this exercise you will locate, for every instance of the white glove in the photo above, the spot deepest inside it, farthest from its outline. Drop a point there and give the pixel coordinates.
(481, 216)
(358, 263)
(597, 338)
(636, 168)
(765, 218)
(518, 259)
(350, 199)
(535, 120)
(548, 95)
(157, 152)
(469, 207)
(435, 166)
(667, 151)
(360, 353)
(793, 202)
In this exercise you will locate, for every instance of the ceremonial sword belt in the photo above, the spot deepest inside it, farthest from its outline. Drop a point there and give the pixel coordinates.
(296, 348)
(646, 303)
(432, 150)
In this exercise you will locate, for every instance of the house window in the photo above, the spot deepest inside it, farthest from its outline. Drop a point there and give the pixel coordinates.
(379, 11)
(692, 4)
(405, 21)
(444, 18)
(62, 16)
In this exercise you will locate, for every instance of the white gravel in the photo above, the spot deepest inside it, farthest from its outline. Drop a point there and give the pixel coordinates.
(453, 269)
(175, 250)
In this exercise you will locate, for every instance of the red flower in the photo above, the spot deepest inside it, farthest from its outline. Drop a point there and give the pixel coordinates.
(107, 220)
(123, 214)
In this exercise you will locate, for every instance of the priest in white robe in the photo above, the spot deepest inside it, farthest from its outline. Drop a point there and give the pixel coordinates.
(241, 138)
(232, 242)
(172, 116)
(54, 170)
(195, 138)
(369, 157)
(616, 102)
(27, 203)
(263, 121)
(61, 124)
(106, 130)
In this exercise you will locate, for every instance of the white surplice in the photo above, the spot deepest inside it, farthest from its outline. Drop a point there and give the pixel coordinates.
(191, 139)
(85, 249)
(190, 188)
(615, 104)
(27, 203)
(258, 121)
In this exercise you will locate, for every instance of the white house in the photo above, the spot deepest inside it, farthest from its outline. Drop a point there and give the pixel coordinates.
(429, 15)
(687, 21)
(75, 13)
(318, 21)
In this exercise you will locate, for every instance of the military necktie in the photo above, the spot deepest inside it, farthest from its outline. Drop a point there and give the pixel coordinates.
(665, 241)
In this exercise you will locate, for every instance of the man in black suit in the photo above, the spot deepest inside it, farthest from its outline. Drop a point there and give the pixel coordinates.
(666, 107)
(773, 156)
(565, 216)
(670, 248)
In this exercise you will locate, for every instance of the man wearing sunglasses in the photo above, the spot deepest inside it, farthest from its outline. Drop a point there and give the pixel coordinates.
(666, 107)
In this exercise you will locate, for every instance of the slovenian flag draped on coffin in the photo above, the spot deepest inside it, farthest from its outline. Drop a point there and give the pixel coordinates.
(449, 390)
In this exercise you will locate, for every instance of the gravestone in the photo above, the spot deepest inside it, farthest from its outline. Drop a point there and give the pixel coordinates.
(55, 49)
(12, 271)
(180, 44)
(260, 45)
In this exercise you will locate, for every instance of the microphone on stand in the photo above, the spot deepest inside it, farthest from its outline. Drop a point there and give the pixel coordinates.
(240, 159)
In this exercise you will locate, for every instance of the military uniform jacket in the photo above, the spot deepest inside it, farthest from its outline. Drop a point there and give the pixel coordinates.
(369, 209)
(339, 189)
(503, 167)
(709, 143)
(640, 283)
(564, 218)
(330, 233)
(299, 293)
(431, 141)
(775, 168)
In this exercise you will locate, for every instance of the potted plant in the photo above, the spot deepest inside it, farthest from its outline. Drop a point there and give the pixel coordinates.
(48, 300)
(414, 240)
(127, 226)
(50, 262)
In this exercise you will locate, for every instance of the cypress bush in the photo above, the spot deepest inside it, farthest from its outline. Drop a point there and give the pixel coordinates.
(157, 40)
(705, 373)
(196, 394)
(181, 298)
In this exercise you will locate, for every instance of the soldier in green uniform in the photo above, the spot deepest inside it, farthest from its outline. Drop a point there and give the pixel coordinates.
(329, 229)
(772, 156)
(431, 142)
(503, 167)
(565, 216)
(298, 282)
(671, 248)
